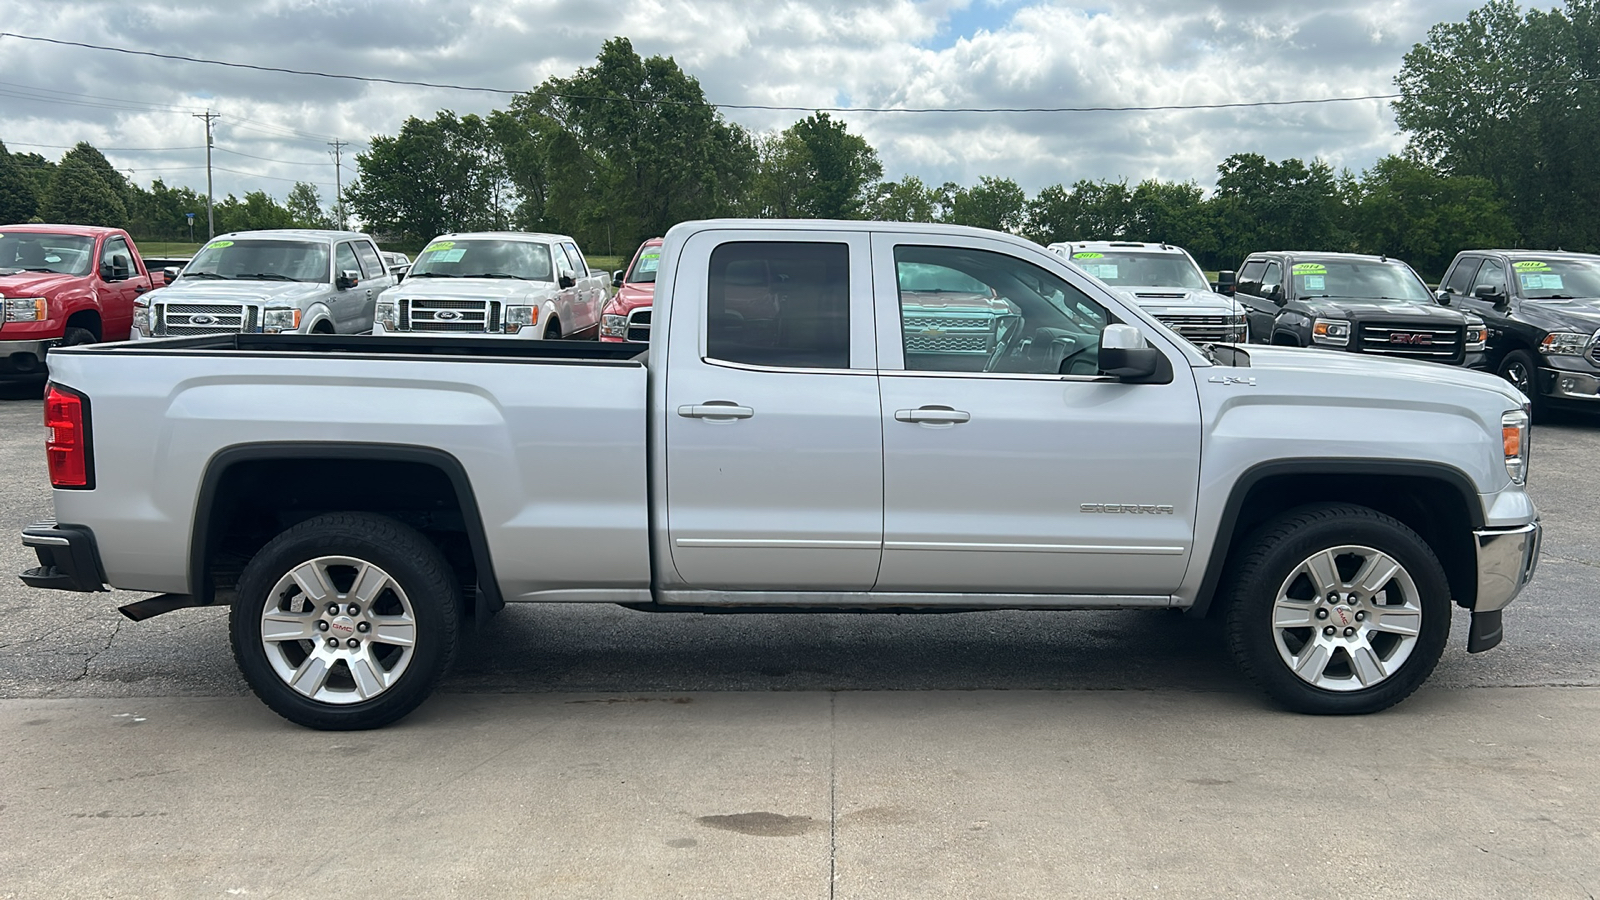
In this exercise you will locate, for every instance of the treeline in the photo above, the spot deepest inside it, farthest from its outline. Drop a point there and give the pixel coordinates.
(82, 188)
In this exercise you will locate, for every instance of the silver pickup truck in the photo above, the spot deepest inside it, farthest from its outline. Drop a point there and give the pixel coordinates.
(353, 499)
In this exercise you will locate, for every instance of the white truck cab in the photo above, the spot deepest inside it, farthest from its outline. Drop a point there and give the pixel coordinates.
(1165, 281)
(503, 283)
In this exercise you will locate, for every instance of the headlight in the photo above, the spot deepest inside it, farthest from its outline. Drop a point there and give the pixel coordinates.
(141, 319)
(614, 326)
(1477, 336)
(1331, 331)
(276, 320)
(24, 309)
(520, 317)
(1564, 343)
(1514, 437)
(388, 315)
(1241, 328)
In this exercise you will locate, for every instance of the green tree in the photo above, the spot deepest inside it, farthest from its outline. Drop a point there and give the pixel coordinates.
(817, 169)
(1511, 98)
(435, 176)
(159, 213)
(995, 203)
(18, 202)
(304, 205)
(80, 196)
(38, 170)
(94, 159)
(1090, 211)
(906, 200)
(258, 210)
(1263, 205)
(1411, 211)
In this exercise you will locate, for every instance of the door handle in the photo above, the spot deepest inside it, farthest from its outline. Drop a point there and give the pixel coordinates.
(933, 415)
(716, 409)
(140, 288)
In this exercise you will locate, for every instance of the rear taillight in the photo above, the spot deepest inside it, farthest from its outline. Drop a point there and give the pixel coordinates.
(66, 442)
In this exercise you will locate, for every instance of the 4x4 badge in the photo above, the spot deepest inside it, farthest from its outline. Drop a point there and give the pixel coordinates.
(1247, 381)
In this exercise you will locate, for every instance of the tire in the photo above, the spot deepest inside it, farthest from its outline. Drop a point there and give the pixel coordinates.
(1385, 644)
(345, 556)
(1520, 368)
(74, 337)
(552, 331)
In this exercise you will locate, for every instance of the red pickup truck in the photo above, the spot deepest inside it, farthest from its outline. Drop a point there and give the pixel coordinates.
(65, 284)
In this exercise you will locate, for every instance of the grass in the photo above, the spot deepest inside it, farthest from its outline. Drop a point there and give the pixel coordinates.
(168, 248)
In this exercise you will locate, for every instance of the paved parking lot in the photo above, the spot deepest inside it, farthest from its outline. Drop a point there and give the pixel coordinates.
(595, 751)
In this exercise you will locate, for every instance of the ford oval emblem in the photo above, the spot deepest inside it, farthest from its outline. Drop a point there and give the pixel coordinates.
(202, 319)
(447, 315)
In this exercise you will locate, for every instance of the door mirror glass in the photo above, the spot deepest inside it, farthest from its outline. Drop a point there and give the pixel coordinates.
(1443, 296)
(616, 277)
(1275, 294)
(348, 279)
(568, 281)
(171, 273)
(1227, 283)
(1125, 354)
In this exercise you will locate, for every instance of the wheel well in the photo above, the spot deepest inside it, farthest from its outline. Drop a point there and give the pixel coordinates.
(554, 322)
(88, 320)
(252, 497)
(1284, 339)
(1431, 506)
(322, 327)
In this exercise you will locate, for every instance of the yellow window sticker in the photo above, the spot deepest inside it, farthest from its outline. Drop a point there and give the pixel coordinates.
(1310, 269)
(1531, 265)
(219, 244)
(1088, 255)
(438, 246)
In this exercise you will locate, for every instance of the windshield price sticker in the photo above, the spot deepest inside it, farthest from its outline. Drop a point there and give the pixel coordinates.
(1314, 282)
(1531, 265)
(217, 245)
(1104, 271)
(449, 255)
(1536, 281)
(439, 247)
(1310, 269)
(1088, 255)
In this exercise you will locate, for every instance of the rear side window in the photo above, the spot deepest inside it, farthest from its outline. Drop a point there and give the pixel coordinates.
(371, 262)
(780, 303)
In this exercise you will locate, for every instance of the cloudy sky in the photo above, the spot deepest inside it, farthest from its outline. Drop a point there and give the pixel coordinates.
(808, 53)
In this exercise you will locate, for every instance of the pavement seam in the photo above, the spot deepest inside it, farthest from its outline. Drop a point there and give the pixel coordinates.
(833, 791)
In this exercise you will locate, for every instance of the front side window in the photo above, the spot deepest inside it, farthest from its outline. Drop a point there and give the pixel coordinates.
(30, 251)
(1492, 275)
(522, 260)
(262, 260)
(579, 266)
(779, 303)
(976, 311)
(346, 260)
(1250, 277)
(116, 256)
(1271, 278)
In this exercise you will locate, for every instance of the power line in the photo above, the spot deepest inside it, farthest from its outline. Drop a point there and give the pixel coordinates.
(292, 162)
(107, 149)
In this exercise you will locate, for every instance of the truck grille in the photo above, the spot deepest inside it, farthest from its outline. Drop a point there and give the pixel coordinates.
(950, 334)
(449, 316)
(178, 319)
(1205, 329)
(1419, 341)
(639, 326)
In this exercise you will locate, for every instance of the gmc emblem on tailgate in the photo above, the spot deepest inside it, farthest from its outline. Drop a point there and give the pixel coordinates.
(1138, 509)
(1413, 339)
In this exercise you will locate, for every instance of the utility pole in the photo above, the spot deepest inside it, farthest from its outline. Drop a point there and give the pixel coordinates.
(338, 179)
(211, 219)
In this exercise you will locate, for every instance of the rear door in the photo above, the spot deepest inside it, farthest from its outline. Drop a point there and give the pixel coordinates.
(774, 468)
(1027, 473)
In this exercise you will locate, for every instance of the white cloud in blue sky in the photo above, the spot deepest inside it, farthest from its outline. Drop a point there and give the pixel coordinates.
(940, 53)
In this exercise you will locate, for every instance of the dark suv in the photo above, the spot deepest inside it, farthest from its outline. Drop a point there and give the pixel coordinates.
(1359, 304)
(1543, 312)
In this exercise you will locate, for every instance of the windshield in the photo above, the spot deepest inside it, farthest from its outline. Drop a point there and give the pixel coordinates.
(1121, 269)
(483, 259)
(261, 260)
(644, 269)
(1359, 279)
(32, 251)
(926, 278)
(1558, 279)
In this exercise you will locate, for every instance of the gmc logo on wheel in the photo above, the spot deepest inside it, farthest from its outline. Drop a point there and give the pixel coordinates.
(1412, 339)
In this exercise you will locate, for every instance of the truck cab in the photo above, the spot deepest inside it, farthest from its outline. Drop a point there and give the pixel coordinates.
(63, 285)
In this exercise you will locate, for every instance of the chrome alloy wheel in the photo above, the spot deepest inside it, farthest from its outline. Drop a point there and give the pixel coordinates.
(338, 630)
(1517, 373)
(1346, 618)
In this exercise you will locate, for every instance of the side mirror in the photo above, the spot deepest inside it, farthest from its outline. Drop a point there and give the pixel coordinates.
(1227, 283)
(170, 273)
(1442, 296)
(347, 279)
(616, 277)
(1124, 354)
(567, 281)
(1275, 294)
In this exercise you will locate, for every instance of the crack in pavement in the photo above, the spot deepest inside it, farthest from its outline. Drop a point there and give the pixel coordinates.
(95, 654)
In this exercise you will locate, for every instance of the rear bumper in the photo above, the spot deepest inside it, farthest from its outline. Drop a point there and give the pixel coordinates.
(68, 558)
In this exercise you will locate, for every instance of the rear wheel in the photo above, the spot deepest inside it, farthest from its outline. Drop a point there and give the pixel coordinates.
(1338, 610)
(346, 621)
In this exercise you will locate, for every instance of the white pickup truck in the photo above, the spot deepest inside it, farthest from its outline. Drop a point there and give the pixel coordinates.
(776, 447)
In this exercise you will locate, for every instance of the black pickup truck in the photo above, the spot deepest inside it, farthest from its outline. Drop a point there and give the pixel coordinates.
(1543, 312)
(1355, 303)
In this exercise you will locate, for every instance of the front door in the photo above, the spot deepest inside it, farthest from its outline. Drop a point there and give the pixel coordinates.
(1010, 465)
(774, 468)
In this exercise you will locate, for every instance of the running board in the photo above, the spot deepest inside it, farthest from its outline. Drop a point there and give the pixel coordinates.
(150, 607)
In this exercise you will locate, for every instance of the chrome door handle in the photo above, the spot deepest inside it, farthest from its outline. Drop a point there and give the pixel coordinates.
(715, 410)
(933, 415)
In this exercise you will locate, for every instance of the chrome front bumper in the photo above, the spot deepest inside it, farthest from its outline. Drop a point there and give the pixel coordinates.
(1506, 560)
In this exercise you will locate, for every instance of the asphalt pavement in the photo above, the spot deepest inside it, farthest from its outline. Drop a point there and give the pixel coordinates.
(595, 751)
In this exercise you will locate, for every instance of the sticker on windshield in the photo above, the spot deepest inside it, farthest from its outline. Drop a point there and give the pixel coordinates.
(1103, 271)
(1088, 255)
(1536, 281)
(1531, 265)
(219, 244)
(448, 255)
(1314, 282)
(438, 247)
(1309, 269)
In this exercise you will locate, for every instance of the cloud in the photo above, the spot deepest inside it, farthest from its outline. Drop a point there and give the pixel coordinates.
(933, 53)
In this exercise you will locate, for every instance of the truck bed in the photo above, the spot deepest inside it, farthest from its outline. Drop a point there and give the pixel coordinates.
(367, 346)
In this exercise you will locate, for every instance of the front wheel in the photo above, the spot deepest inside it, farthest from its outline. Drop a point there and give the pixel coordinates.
(1338, 610)
(346, 621)
(1520, 368)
